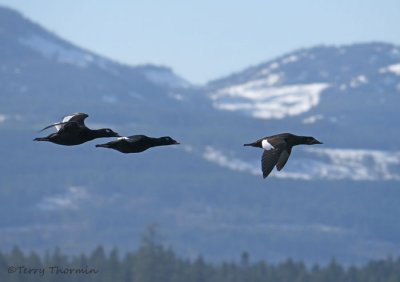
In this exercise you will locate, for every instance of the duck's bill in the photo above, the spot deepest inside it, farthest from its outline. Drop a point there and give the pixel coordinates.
(102, 145)
(317, 142)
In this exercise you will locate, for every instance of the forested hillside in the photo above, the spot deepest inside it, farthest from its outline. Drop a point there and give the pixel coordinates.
(153, 262)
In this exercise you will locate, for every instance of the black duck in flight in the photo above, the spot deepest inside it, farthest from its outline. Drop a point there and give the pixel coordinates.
(73, 131)
(137, 143)
(277, 149)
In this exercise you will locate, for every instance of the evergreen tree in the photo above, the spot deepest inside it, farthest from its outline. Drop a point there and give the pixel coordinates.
(112, 270)
(199, 270)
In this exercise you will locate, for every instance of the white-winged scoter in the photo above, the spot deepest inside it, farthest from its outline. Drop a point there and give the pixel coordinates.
(73, 131)
(277, 149)
(137, 143)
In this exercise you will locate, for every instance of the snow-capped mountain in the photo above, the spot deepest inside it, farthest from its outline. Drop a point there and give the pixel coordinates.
(207, 194)
(19, 35)
(38, 65)
(296, 83)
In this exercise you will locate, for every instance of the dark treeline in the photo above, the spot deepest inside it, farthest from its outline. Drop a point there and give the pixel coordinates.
(154, 263)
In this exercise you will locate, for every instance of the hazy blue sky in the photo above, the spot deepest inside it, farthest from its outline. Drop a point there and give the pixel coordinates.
(203, 40)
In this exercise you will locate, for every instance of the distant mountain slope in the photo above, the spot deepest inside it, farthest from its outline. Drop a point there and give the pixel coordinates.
(207, 195)
(38, 66)
(308, 79)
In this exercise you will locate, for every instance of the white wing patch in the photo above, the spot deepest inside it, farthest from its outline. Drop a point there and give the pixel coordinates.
(123, 138)
(67, 118)
(58, 127)
(266, 145)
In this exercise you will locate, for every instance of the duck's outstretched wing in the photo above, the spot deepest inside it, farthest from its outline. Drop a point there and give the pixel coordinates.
(136, 138)
(284, 156)
(275, 157)
(77, 118)
(58, 125)
(269, 160)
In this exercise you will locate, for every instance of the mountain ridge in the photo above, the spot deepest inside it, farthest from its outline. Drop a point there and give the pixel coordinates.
(256, 66)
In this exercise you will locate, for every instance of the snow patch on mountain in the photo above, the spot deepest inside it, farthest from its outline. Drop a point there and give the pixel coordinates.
(272, 66)
(213, 155)
(51, 49)
(312, 119)
(258, 99)
(358, 80)
(176, 96)
(395, 69)
(166, 77)
(290, 59)
(358, 164)
(70, 200)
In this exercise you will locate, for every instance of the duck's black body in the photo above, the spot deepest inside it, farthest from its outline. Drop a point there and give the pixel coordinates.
(137, 143)
(72, 131)
(277, 149)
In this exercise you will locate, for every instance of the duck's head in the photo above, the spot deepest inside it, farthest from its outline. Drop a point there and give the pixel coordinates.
(107, 132)
(166, 140)
(309, 140)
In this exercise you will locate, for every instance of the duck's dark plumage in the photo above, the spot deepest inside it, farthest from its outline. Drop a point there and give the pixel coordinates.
(277, 149)
(137, 143)
(73, 131)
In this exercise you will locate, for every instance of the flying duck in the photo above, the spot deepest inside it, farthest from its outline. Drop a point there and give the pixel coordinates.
(277, 149)
(137, 143)
(73, 131)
